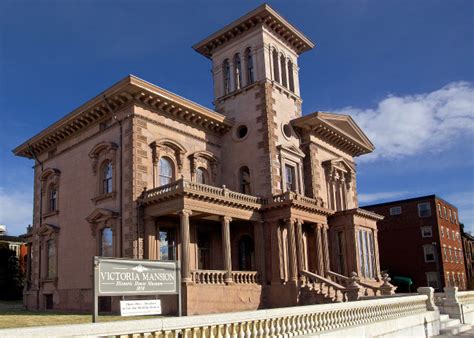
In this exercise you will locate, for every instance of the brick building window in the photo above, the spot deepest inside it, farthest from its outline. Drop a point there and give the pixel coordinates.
(429, 253)
(426, 232)
(439, 211)
(432, 279)
(455, 218)
(442, 231)
(395, 211)
(445, 213)
(450, 216)
(424, 209)
(445, 253)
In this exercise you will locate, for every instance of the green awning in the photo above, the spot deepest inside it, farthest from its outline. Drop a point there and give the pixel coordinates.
(402, 280)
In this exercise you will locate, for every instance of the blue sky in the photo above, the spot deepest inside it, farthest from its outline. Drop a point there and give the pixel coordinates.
(403, 69)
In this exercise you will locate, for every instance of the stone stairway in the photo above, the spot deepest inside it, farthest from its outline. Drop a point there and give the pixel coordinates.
(452, 327)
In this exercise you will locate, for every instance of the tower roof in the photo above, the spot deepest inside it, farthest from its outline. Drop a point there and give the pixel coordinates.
(262, 15)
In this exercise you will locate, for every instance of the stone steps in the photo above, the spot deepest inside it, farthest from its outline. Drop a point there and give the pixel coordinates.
(451, 327)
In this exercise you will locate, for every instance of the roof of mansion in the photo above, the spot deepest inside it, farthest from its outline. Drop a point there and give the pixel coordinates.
(129, 90)
(338, 129)
(265, 15)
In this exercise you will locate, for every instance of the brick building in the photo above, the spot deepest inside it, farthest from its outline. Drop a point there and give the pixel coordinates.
(420, 238)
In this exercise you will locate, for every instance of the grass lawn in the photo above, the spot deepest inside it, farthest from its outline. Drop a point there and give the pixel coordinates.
(12, 314)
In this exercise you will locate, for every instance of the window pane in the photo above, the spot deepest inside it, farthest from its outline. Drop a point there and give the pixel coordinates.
(107, 243)
(167, 244)
(201, 175)
(290, 178)
(244, 180)
(166, 171)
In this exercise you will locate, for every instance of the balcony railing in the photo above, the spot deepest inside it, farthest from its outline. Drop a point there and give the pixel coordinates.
(217, 277)
(185, 187)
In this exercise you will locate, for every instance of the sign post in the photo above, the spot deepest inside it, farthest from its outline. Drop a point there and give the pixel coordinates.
(121, 277)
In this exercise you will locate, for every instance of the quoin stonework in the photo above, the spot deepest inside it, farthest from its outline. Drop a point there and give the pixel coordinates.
(257, 202)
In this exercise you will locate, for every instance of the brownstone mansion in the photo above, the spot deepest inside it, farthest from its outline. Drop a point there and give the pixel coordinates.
(257, 201)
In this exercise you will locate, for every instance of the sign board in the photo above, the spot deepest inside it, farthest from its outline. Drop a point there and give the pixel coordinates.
(128, 277)
(140, 307)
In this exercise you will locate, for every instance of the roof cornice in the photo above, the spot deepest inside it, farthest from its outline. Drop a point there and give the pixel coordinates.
(318, 124)
(262, 15)
(130, 90)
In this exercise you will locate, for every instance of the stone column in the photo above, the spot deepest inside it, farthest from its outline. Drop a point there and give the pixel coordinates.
(319, 251)
(325, 248)
(260, 250)
(150, 239)
(225, 221)
(290, 223)
(300, 245)
(184, 225)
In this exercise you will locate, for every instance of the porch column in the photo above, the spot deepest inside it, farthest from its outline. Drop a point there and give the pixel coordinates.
(260, 250)
(225, 221)
(300, 245)
(290, 223)
(184, 225)
(326, 248)
(319, 245)
(150, 238)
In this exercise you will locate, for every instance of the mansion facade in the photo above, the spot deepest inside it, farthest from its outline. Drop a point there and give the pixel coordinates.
(257, 201)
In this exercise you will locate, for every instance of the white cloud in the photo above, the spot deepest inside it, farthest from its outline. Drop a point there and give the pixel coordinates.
(16, 208)
(379, 196)
(408, 125)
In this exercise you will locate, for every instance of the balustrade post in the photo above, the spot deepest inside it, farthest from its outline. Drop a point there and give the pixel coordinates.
(387, 288)
(225, 221)
(184, 225)
(290, 223)
(430, 302)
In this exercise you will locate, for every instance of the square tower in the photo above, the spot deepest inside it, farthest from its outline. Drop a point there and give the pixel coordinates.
(256, 83)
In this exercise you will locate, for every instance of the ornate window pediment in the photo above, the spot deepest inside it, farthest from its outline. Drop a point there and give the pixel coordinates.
(168, 147)
(107, 150)
(207, 161)
(340, 173)
(49, 176)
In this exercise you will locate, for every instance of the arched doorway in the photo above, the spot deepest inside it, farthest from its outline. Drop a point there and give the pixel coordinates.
(246, 253)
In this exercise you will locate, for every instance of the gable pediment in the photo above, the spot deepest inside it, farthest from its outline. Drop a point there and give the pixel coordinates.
(337, 129)
(101, 214)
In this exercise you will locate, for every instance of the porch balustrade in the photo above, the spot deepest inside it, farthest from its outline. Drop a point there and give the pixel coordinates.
(217, 277)
(367, 289)
(324, 286)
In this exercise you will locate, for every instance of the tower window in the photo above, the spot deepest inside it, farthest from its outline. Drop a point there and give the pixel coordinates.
(290, 76)
(226, 70)
(276, 73)
(237, 71)
(290, 178)
(244, 177)
(166, 174)
(283, 71)
(107, 178)
(250, 70)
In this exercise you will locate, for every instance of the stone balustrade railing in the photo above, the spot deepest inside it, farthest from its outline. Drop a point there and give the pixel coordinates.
(367, 289)
(282, 322)
(208, 277)
(185, 186)
(212, 277)
(324, 286)
(245, 277)
(466, 297)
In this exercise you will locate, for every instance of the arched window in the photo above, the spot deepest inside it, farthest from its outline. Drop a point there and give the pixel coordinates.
(53, 198)
(107, 178)
(246, 254)
(290, 76)
(226, 72)
(237, 71)
(106, 243)
(166, 174)
(244, 180)
(250, 71)
(276, 72)
(201, 176)
(283, 71)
